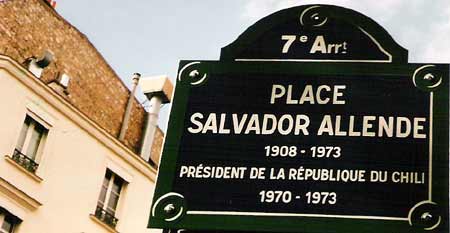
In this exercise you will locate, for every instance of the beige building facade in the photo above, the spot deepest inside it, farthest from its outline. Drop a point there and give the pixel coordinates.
(59, 171)
(78, 151)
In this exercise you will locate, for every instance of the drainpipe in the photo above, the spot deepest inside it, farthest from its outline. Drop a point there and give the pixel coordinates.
(158, 91)
(150, 127)
(127, 114)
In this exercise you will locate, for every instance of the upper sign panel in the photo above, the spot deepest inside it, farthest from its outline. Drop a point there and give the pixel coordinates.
(316, 33)
(322, 147)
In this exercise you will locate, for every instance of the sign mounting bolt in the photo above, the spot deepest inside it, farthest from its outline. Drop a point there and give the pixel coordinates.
(194, 73)
(169, 209)
(428, 77)
(426, 216)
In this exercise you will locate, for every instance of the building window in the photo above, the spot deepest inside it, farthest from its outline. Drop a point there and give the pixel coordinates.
(108, 199)
(30, 143)
(7, 223)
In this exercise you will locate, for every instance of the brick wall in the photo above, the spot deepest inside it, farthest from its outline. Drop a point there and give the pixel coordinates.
(157, 143)
(29, 27)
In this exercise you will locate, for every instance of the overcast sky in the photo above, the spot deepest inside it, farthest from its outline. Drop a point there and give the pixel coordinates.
(151, 36)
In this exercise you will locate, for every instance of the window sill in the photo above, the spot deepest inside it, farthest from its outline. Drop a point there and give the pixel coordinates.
(99, 222)
(28, 173)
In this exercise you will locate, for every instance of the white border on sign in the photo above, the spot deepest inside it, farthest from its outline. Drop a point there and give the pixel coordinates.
(430, 186)
(430, 163)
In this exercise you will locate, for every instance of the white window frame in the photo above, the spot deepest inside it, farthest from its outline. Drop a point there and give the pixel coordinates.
(28, 134)
(109, 191)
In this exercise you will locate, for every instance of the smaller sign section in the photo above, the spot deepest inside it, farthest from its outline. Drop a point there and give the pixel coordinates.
(315, 33)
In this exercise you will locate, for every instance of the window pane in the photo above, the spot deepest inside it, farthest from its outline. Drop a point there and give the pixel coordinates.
(112, 203)
(108, 174)
(23, 134)
(110, 192)
(101, 198)
(117, 186)
(36, 136)
(7, 225)
(114, 195)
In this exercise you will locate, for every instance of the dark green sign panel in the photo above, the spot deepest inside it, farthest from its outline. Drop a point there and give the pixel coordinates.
(290, 134)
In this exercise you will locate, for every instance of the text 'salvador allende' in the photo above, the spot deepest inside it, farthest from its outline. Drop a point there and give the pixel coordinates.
(300, 124)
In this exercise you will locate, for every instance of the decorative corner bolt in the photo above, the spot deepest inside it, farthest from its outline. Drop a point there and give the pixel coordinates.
(194, 74)
(428, 77)
(426, 216)
(169, 209)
